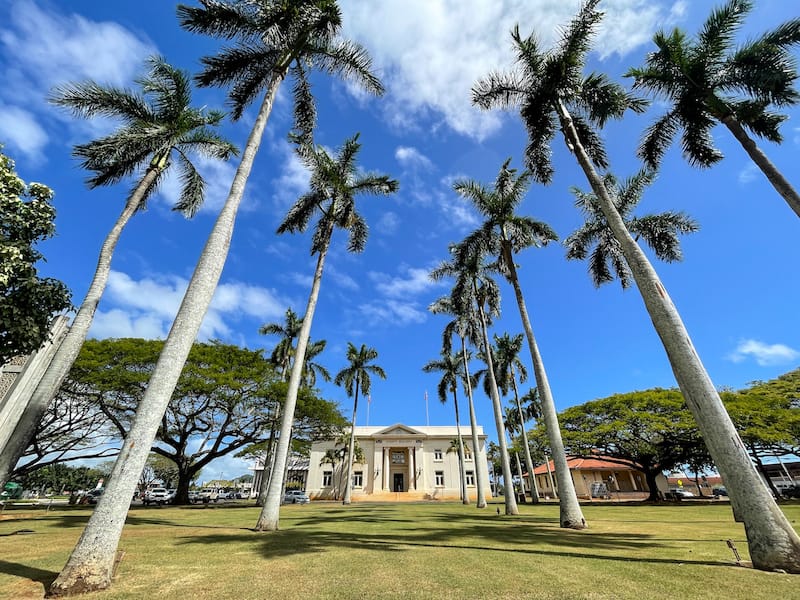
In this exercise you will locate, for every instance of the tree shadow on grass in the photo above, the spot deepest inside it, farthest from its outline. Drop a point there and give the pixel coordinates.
(26, 572)
(293, 542)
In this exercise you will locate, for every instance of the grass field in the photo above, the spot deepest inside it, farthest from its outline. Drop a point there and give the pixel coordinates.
(434, 550)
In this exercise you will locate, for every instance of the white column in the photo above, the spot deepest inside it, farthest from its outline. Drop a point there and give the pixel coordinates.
(386, 452)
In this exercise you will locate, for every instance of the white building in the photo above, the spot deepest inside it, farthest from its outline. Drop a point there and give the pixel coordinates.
(399, 463)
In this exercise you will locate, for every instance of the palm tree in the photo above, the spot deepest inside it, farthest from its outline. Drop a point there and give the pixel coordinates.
(355, 378)
(273, 38)
(466, 327)
(549, 87)
(509, 369)
(160, 128)
(707, 82)
(474, 286)
(510, 420)
(451, 366)
(504, 234)
(659, 232)
(281, 357)
(283, 351)
(335, 183)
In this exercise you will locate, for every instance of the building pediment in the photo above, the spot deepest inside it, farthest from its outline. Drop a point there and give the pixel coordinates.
(398, 430)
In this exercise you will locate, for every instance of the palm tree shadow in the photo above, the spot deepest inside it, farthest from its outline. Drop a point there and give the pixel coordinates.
(27, 572)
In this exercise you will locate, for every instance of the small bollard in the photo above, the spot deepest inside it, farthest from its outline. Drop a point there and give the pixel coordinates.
(732, 546)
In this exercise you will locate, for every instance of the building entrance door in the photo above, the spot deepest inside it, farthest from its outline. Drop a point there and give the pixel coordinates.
(398, 482)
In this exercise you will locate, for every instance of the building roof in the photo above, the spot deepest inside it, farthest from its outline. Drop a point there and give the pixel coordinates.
(589, 464)
(401, 430)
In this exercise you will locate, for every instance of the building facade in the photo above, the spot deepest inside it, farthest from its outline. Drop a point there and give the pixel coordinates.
(398, 463)
(597, 477)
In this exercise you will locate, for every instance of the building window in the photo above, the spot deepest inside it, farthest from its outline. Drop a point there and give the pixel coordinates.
(398, 458)
(467, 453)
(471, 478)
(327, 478)
(437, 454)
(358, 479)
(439, 478)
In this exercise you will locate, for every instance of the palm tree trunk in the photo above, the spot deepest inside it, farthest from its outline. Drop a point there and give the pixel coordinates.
(571, 515)
(473, 423)
(775, 177)
(508, 483)
(91, 563)
(269, 518)
(773, 543)
(553, 486)
(19, 436)
(519, 473)
(351, 449)
(531, 476)
(461, 466)
(269, 460)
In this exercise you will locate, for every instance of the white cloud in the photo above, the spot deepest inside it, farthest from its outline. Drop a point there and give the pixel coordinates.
(54, 48)
(748, 174)
(42, 48)
(20, 130)
(415, 281)
(456, 42)
(147, 307)
(411, 158)
(459, 213)
(388, 223)
(392, 312)
(765, 355)
(293, 181)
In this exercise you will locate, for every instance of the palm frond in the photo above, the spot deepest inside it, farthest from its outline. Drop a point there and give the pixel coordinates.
(192, 188)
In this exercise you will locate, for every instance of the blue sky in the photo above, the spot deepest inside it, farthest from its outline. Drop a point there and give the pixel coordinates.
(734, 289)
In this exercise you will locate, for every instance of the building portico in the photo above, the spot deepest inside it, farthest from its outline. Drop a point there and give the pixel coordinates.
(399, 463)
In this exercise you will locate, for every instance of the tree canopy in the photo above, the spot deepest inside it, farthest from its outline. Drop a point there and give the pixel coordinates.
(27, 302)
(220, 404)
(651, 429)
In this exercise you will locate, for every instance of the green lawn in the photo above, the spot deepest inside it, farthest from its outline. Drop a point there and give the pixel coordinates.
(432, 550)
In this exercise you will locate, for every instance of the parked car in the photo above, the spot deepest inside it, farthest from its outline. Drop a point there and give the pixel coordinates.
(677, 494)
(792, 492)
(208, 495)
(156, 496)
(719, 491)
(194, 496)
(296, 497)
(93, 496)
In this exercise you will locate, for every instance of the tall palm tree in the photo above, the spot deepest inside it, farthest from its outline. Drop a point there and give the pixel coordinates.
(659, 231)
(707, 81)
(281, 357)
(549, 87)
(283, 351)
(474, 286)
(356, 378)
(509, 369)
(451, 366)
(466, 327)
(510, 420)
(159, 129)
(504, 234)
(335, 183)
(273, 38)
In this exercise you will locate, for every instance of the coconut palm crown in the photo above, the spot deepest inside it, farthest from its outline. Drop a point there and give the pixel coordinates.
(707, 81)
(542, 78)
(158, 126)
(272, 38)
(660, 231)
